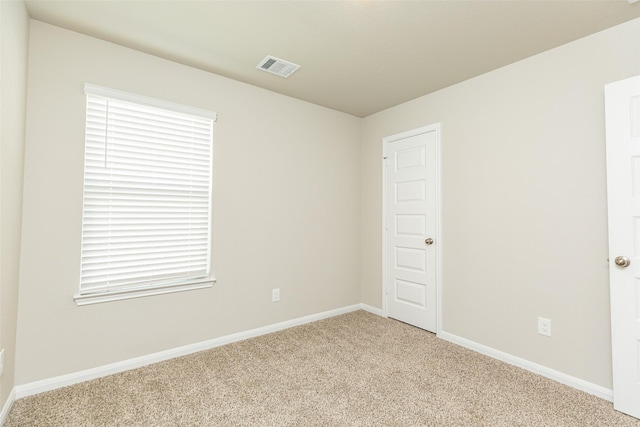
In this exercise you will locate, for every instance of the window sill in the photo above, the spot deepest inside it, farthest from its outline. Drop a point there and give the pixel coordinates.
(100, 297)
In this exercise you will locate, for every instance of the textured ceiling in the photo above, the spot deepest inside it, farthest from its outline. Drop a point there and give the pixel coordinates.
(359, 57)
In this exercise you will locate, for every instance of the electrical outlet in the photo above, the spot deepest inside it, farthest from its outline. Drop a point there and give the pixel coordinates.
(544, 326)
(1, 361)
(275, 295)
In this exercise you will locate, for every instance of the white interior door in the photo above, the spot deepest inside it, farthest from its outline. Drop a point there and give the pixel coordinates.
(622, 104)
(411, 236)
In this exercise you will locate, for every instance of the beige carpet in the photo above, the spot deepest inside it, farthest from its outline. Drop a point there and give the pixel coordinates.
(357, 369)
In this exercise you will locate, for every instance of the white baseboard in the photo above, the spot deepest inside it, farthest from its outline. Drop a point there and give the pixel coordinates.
(125, 365)
(372, 310)
(577, 383)
(7, 406)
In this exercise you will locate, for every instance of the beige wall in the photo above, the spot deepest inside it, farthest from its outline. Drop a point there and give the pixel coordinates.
(285, 215)
(524, 214)
(14, 39)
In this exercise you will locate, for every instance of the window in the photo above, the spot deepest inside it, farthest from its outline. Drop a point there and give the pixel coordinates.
(146, 218)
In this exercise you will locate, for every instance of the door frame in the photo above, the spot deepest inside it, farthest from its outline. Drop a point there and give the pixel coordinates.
(438, 232)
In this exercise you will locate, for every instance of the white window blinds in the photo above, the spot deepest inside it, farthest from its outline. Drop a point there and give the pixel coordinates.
(147, 193)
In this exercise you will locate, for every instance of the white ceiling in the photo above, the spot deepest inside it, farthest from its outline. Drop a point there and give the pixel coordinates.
(359, 57)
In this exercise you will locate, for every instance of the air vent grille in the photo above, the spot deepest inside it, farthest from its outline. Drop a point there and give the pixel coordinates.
(277, 66)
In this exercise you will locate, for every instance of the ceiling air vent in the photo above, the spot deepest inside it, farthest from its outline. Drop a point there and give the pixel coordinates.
(277, 66)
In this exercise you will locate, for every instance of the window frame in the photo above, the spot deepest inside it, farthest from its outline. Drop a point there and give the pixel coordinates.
(93, 296)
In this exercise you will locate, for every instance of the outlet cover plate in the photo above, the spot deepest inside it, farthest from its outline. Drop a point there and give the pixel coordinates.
(544, 326)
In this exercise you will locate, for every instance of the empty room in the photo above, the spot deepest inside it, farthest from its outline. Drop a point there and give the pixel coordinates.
(319, 213)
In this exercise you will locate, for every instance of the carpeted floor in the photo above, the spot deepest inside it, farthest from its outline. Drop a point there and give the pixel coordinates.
(356, 369)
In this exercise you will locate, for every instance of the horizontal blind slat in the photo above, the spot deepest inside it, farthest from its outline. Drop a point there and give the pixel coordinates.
(122, 252)
(142, 242)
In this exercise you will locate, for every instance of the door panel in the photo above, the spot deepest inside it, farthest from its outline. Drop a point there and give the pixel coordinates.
(622, 103)
(410, 218)
(411, 225)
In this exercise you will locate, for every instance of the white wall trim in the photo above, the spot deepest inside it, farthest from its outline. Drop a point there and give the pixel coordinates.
(137, 362)
(577, 383)
(125, 365)
(100, 297)
(372, 310)
(7, 406)
(106, 92)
